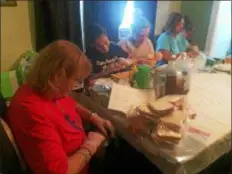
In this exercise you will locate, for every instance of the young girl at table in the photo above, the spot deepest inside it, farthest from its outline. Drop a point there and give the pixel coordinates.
(104, 54)
(138, 45)
(172, 41)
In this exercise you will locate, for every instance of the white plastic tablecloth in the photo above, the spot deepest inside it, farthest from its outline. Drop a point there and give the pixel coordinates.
(208, 136)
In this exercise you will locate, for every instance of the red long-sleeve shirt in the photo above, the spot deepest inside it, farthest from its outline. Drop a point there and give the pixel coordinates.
(42, 131)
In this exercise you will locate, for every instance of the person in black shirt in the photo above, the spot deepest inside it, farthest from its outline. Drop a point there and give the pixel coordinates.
(104, 55)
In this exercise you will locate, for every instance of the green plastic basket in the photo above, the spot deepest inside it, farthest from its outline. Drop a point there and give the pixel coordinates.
(24, 64)
(9, 84)
(142, 77)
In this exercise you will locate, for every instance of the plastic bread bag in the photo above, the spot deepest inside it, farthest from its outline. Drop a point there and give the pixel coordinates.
(171, 128)
(164, 118)
(154, 111)
(140, 123)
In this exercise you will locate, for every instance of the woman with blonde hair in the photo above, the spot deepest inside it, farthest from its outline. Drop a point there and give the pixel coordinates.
(46, 122)
(138, 45)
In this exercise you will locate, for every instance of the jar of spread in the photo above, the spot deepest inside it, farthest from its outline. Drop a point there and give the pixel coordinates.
(177, 78)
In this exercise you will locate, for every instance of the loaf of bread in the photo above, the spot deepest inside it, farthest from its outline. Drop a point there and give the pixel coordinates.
(174, 120)
(161, 107)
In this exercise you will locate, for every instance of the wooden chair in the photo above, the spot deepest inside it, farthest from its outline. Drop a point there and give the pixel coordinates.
(11, 161)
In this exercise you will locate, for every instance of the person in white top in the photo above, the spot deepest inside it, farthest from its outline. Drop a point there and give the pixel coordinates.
(138, 45)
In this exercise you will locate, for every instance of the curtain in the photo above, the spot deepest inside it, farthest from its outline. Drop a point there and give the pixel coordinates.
(109, 14)
(57, 19)
(148, 9)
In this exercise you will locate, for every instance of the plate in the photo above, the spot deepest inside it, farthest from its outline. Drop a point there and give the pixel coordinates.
(223, 67)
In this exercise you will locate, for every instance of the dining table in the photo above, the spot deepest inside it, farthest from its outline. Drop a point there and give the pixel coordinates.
(206, 139)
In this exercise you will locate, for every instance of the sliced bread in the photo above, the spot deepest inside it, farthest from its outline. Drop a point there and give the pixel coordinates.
(174, 120)
(144, 109)
(164, 134)
(176, 100)
(160, 107)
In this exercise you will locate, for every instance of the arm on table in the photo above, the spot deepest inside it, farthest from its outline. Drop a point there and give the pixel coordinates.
(43, 150)
(163, 46)
(84, 113)
(103, 125)
(167, 55)
(193, 50)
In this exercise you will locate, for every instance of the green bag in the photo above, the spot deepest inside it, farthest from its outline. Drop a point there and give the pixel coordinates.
(9, 84)
(143, 77)
(24, 64)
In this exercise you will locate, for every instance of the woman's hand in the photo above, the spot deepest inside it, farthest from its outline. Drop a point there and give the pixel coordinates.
(143, 61)
(158, 56)
(93, 142)
(193, 53)
(124, 62)
(103, 125)
(114, 67)
(181, 55)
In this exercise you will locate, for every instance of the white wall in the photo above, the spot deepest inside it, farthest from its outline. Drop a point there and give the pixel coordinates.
(164, 8)
(219, 35)
(16, 36)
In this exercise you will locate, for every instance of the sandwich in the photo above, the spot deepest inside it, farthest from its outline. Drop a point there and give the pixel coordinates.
(162, 133)
(174, 120)
(175, 100)
(144, 109)
(161, 107)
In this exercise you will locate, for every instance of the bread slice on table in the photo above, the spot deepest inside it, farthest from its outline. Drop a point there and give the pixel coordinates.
(162, 133)
(174, 120)
(160, 107)
(176, 100)
(143, 109)
(166, 134)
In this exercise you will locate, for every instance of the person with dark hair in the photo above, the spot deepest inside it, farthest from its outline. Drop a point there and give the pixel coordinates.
(138, 45)
(172, 41)
(104, 55)
(188, 29)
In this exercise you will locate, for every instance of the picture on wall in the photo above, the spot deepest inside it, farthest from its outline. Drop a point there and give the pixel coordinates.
(8, 3)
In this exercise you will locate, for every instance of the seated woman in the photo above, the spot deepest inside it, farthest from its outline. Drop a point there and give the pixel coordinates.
(172, 41)
(138, 45)
(47, 122)
(103, 54)
(188, 29)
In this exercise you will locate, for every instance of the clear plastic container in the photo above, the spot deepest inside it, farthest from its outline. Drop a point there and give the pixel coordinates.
(159, 82)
